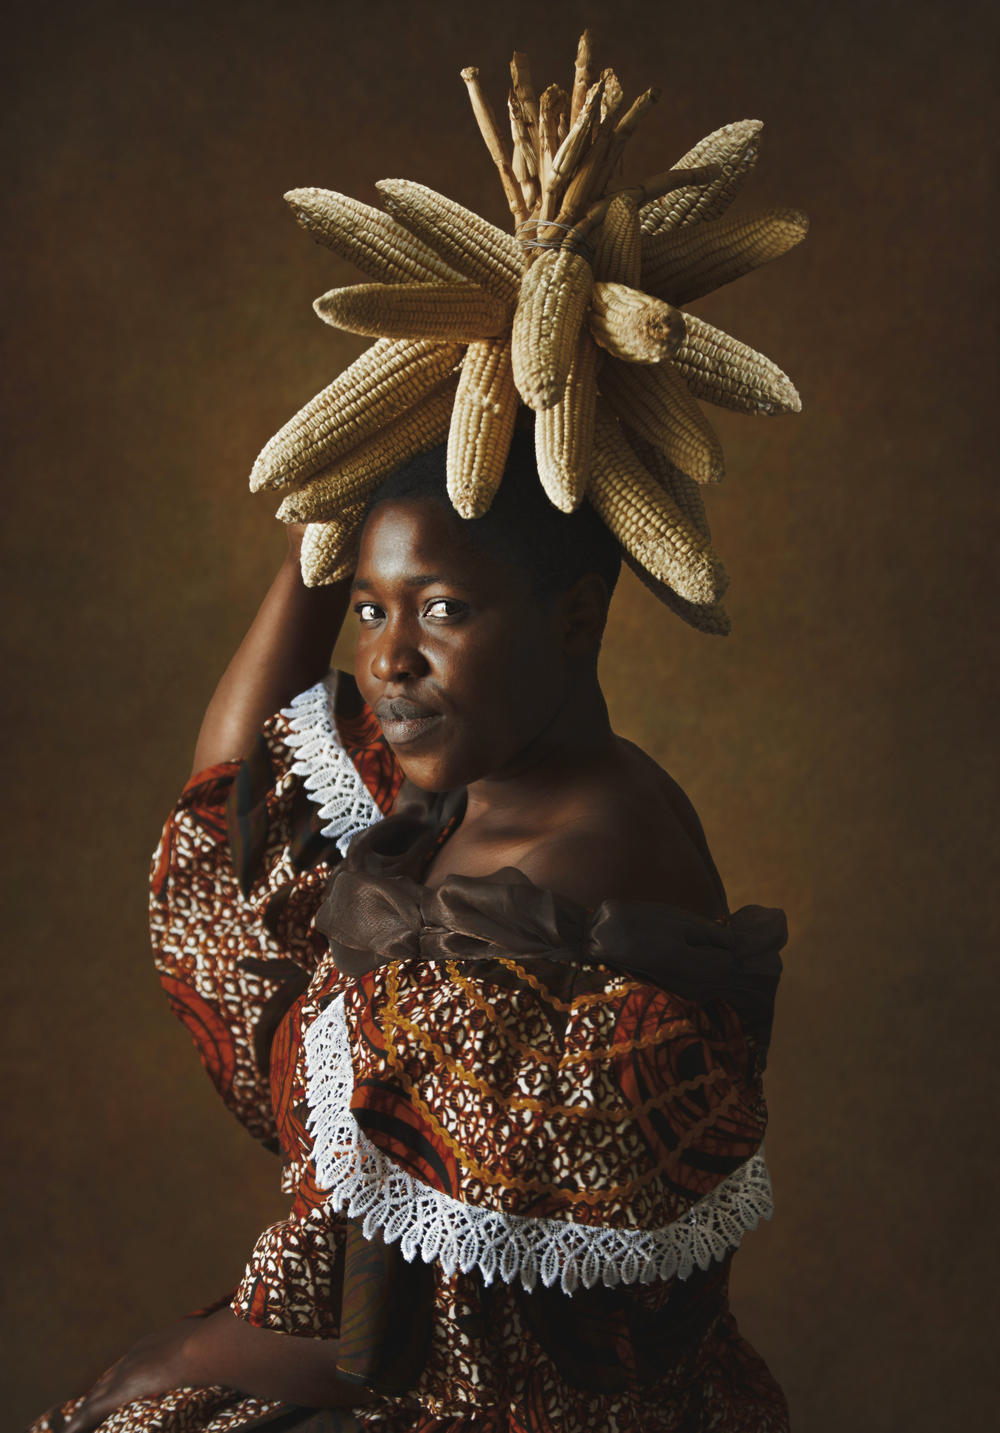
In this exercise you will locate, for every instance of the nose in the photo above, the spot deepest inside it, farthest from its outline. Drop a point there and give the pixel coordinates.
(396, 655)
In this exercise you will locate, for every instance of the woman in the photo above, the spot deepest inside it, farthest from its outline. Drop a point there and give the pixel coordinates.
(518, 1091)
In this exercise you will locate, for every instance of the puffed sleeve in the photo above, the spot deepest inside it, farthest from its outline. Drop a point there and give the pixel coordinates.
(240, 870)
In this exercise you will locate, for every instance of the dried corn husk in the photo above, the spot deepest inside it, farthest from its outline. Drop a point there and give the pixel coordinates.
(454, 313)
(722, 370)
(330, 549)
(711, 618)
(685, 492)
(683, 264)
(549, 315)
(355, 477)
(655, 402)
(617, 252)
(632, 326)
(381, 248)
(564, 433)
(388, 378)
(646, 521)
(475, 248)
(735, 147)
(482, 426)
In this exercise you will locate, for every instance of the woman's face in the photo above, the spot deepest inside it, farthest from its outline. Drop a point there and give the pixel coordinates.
(462, 665)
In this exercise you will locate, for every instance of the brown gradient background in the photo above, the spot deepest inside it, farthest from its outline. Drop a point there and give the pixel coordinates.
(159, 330)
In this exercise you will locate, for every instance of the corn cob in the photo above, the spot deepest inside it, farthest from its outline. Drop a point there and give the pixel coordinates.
(685, 492)
(711, 618)
(456, 313)
(550, 312)
(646, 521)
(367, 237)
(354, 478)
(330, 549)
(722, 370)
(482, 425)
(617, 253)
(735, 148)
(564, 433)
(475, 248)
(632, 326)
(388, 378)
(654, 400)
(683, 264)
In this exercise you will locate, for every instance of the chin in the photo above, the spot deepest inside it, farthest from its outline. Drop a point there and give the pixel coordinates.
(435, 773)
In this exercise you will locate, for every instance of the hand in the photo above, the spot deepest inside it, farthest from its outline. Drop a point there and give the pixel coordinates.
(151, 1366)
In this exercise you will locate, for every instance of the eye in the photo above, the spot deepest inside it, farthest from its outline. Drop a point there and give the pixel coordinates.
(443, 607)
(367, 611)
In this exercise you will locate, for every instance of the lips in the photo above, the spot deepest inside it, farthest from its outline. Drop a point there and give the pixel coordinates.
(404, 721)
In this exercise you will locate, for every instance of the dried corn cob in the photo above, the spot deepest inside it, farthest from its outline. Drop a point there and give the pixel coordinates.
(632, 326)
(388, 378)
(455, 313)
(564, 433)
(482, 426)
(550, 312)
(381, 248)
(685, 492)
(474, 247)
(683, 264)
(711, 618)
(330, 549)
(655, 402)
(735, 147)
(646, 521)
(350, 481)
(617, 253)
(722, 370)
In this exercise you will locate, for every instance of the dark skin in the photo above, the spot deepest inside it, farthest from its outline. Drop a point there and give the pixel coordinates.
(513, 711)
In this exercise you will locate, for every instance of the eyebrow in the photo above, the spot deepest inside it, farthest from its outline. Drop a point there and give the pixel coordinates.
(419, 579)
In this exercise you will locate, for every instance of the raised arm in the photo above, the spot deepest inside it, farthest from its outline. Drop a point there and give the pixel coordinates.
(286, 649)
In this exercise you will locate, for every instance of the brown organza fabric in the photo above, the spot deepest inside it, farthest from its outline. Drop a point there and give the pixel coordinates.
(376, 910)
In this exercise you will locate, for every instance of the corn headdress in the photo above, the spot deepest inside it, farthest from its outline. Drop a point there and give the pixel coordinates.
(577, 314)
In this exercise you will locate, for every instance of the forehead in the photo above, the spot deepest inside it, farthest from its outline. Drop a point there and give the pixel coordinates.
(409, 538)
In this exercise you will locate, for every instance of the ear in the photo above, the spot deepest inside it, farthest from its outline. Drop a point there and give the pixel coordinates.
(583, 613)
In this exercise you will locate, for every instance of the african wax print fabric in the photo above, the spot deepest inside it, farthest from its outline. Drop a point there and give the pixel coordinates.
(522, 1137)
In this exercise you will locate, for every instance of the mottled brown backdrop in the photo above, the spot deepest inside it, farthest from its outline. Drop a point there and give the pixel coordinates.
(158, 329)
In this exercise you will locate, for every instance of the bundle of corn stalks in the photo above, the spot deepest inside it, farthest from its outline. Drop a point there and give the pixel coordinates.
(576, 314)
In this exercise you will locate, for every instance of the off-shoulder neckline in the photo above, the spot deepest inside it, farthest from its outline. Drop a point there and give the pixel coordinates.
(433, 811)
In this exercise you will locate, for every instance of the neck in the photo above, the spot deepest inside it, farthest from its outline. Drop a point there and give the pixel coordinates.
(577, 738)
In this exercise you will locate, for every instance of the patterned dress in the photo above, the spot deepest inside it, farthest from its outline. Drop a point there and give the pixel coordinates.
(522, 1137)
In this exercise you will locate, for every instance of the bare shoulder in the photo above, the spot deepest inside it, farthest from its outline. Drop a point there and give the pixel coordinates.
(637, 839)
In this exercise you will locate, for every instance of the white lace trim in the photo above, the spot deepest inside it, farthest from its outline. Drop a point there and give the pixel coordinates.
(364, 1183)
(329, 775)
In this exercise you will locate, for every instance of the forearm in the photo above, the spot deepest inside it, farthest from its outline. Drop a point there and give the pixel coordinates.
(286, 649)
(223, 1349)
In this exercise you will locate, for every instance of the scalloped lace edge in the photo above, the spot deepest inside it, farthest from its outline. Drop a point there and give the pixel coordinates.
(364, 1183)
(328, 774)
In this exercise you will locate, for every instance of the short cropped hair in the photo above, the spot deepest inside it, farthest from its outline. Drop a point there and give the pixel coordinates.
(522, 527)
